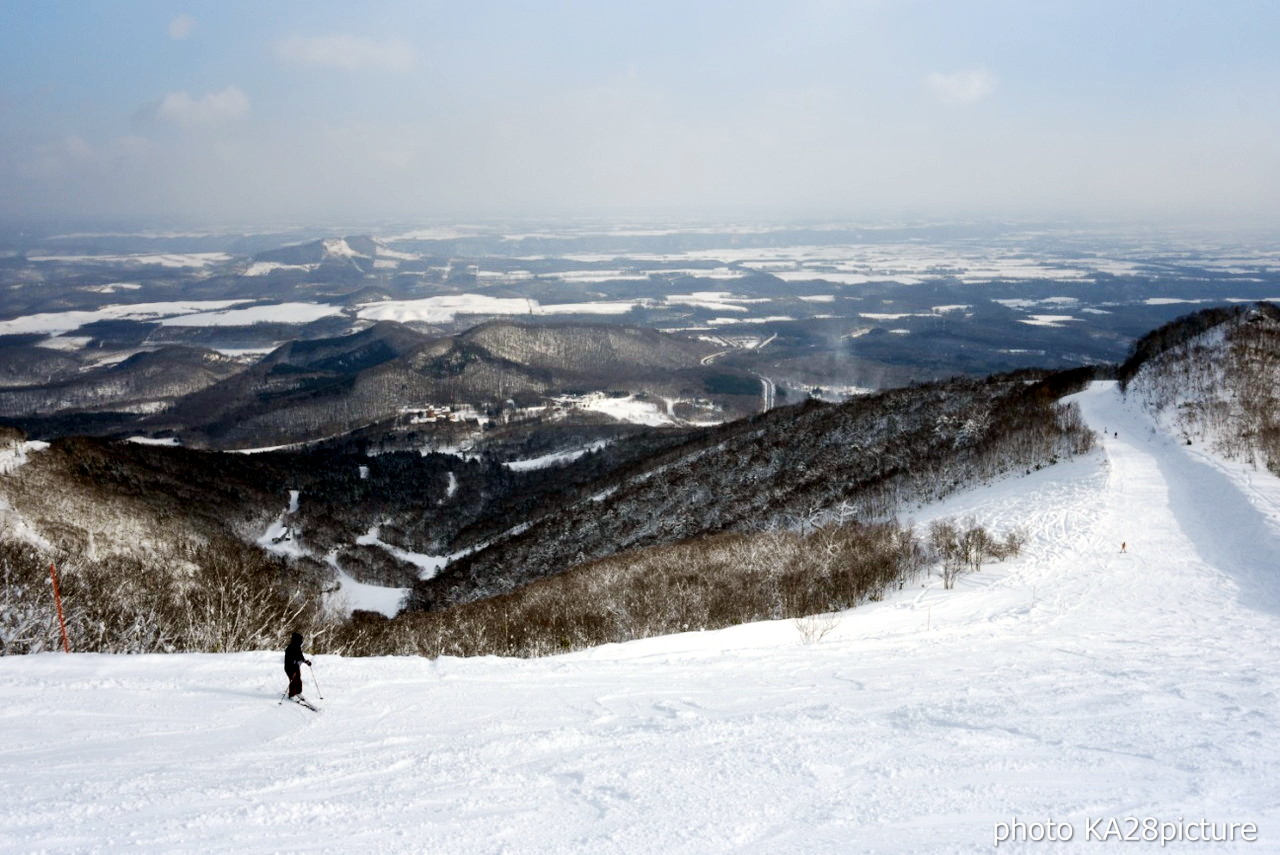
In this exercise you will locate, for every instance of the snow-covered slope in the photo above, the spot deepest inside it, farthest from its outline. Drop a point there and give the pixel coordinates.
(1221, 386)
(1078, 684)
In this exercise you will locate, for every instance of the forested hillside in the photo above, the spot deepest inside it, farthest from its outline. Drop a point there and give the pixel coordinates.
(868, 460)
(1214, 378)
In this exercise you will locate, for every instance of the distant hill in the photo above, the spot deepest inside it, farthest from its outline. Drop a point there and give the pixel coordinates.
(359, 252)
(24, 363)
(324, 387)
(588, 350)
(145, 382)
(310, 389)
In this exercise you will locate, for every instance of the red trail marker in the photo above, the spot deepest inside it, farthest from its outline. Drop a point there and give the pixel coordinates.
(57, 600)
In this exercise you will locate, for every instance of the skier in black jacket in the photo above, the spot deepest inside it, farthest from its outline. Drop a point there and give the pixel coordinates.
(293, 660)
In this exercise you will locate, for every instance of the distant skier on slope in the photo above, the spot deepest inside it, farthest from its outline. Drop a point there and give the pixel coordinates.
(1123, 546)
(293, 660)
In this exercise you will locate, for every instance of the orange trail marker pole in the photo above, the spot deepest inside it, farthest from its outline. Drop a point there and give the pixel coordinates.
(57, 599)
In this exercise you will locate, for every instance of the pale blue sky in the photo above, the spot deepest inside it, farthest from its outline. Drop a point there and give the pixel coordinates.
(865, 108)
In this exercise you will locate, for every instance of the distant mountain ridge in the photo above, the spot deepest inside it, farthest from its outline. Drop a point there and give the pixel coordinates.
(307, 389)
(356, 251)
(145, 382)
(323, 387)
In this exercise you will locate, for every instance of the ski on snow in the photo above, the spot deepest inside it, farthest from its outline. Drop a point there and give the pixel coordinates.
(302, 702)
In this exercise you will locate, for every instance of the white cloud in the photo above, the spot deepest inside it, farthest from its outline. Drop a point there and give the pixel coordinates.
(349, 53)
(181, 27)
(962, 87)
(213, 109)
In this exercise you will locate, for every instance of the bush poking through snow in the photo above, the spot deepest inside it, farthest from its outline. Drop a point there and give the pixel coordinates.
(967, 546)
(706, 583)
(814, 628)
(217, 600)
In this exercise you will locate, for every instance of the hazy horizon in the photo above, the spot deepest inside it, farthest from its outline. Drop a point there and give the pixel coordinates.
(863, 110)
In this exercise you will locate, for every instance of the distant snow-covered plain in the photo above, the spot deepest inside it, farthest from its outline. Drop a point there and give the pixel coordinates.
(288, 313)
(187, 259)
(627, 275)
(60, 322)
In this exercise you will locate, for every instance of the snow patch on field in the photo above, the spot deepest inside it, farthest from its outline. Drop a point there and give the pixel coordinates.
(284, 313)
(428, 565)
(70, 344)
(352, 595)
(263, 268)
(767, 319)
(557, 458)
(53, 323)
(891, 316)
(446, 309)
(171, 441)
(604, 307)
(624, 409)
(719, 301)
(191, 259)
(113, 287)
(1048, 320)
(441, 310)
(245, 353)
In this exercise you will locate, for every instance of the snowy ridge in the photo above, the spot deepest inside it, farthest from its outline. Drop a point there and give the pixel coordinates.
(339, 248)
(1075, 683)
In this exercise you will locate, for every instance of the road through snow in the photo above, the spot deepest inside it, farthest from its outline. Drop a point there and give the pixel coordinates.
(1073, 684)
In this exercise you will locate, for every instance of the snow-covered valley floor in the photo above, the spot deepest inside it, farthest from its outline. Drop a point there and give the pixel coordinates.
(1076, 684)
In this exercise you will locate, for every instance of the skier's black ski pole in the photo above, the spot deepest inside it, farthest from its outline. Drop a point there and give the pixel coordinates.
(313, 680)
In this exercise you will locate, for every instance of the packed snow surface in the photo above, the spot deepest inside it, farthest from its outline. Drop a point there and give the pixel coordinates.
(353, 594)
(1077, 683)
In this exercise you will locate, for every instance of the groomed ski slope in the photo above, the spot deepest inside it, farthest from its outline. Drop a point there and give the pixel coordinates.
(1073, 684)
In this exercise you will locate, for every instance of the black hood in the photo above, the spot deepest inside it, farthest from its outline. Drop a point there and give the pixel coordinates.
(296, 638)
